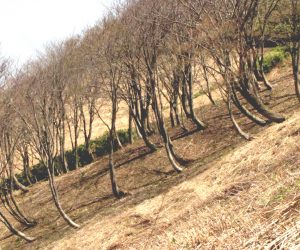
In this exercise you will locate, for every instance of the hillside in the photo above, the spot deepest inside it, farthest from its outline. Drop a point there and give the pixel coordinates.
(233, 194)
(249, 198)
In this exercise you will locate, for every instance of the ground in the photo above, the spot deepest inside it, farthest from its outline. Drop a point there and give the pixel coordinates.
(233, 195)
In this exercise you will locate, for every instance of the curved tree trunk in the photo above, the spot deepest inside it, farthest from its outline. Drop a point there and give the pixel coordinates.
(50, 170)
(257, 103)
(261, 70)
(199, 124)
(19, 185)
(265, 81)
(168, 145)
(245, 111)
(143, 133)
(235, 124)
(256, 72)
(161, 127)
(15, 231)
(10, 204)
(171, 158)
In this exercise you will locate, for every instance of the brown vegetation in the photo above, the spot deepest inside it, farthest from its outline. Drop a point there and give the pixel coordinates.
(148, 59)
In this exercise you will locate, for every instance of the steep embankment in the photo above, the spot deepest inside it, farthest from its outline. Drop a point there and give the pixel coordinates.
(247, 199)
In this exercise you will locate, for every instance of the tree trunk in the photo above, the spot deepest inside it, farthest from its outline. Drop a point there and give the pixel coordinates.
(161, 127)
(115, 189)
(184, 98)
(235, 124)
(261, 69)
(19, 185)
(63, 160)
(295, 64)
(171, 115)
(87, 128)
(257, 103)
(199, 124)
(114, 185)
(13, 208)
(26, 165)
(50, 170)
(130, 137)
(255, 63)
(137, 131)
(245, 111)
(13, 230)
(143, 133)
(209, 94)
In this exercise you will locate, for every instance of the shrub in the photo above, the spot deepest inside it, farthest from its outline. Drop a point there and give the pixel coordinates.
(84, 156)
(274, 57)
(70, 158)
(39, 172)
(99, 147)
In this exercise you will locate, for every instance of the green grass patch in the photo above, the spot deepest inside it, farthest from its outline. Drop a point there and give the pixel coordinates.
(274, 57)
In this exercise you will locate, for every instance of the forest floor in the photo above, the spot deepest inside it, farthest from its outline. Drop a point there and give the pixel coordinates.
(234, 194)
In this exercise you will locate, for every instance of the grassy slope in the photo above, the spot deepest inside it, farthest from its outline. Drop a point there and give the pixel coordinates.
(229, 197)
(233, 203)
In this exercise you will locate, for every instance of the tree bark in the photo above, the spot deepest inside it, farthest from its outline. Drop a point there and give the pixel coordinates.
(199, 124)
(13, 230)
(50, 170)
(245, 111)
(10, 204)
(115, 189)
(257, 103)
(143, 133)
(242, 133)
(295, 64)
(130, 136)
(161, 126)
(26, 164)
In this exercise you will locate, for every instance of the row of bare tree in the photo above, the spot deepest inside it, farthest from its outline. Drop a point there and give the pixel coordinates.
(149, 55)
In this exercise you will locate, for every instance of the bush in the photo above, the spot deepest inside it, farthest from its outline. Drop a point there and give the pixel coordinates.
(70, 158)
(274, 57)
(84, 156)
(99, 147)
(39, 172)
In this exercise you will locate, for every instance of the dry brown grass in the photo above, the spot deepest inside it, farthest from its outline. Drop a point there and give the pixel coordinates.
(235, 195)
(248, 199)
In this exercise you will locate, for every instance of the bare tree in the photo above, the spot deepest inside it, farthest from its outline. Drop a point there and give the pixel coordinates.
(38, 111)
